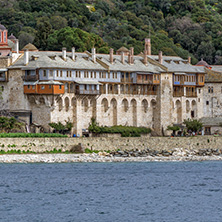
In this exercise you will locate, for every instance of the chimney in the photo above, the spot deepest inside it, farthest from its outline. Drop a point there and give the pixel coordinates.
(26, 57)
(122, 57)
(94, 55)
(17, 46)
(148, 46)
(189, 60)
(64, 53)
(145, 57)
(73, 53)
(160, 57)
(130, 56)
(111, 55)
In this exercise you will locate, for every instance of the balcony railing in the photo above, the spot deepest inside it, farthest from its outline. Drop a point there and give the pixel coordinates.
(191, 94)
(30, 78)
(178, 83)
(178, 94)
(87, 92)
(127, 80)
(139, 81)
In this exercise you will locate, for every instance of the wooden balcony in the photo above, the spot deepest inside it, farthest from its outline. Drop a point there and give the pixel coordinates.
(141, 81)
(30, 78)
(87, 92)
(178, 83)
(191, 94)
(178, 94)
(127, 80)
(178, 91)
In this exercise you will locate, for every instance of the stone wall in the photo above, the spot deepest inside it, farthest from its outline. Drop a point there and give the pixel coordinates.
(122, 143)
(212, 99)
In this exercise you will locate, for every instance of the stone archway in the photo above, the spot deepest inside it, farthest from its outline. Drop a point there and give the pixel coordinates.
(187, 106)
(60, 104)
(154, 113)
(67, 104)
(113, 105)
(144, 105)
(193, 109)
(125, 105)
(133, 105)
(104, 104)
(74, 107)
(179, 112)
(94, 107)
(85, 105)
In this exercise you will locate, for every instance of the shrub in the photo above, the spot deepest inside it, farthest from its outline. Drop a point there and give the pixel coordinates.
(125, 131)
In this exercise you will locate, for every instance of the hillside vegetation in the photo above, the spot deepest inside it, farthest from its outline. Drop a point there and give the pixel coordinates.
(177, 27)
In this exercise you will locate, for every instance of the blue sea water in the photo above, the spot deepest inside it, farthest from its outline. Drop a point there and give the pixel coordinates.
(163, 192)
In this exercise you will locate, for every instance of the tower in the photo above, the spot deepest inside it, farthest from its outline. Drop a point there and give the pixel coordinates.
(4, 48)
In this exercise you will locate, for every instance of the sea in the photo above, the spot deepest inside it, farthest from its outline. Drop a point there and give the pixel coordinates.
(141, 191)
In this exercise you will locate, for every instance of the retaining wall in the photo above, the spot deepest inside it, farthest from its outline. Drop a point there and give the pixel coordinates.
(122, 143)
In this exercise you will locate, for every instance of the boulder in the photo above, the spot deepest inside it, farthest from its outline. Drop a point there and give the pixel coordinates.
(77, 149)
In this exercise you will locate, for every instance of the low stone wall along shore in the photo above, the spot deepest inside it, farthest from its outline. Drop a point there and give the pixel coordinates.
(118, 149)
(101, 143)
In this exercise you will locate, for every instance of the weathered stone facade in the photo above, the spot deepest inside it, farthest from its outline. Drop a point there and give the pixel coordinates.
(123, 89)
(111, 143)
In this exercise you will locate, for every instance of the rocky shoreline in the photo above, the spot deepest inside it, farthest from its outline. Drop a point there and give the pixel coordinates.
(175, 155)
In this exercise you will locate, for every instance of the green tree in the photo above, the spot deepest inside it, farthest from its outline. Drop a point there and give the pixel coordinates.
(193, 125)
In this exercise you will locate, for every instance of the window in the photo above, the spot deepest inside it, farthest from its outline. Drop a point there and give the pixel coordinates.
(94, 74)
(104, 75)
(154, 77)
(86, 74)
(212, 89)
(42, 87)
(85, 87)
(199, 90)
(44, 73)
(3, 88)
(4, 36)
(78, 74)
(201, 79)
(28, 86)
(33, 87)
(61, 73)
(209, 90)
(67, 73)
(50, 86)
(60, 86)
(51, 73)
(207, 103)
(57, 73)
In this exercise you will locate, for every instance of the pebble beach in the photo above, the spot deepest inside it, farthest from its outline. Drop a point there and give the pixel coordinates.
(177, 155)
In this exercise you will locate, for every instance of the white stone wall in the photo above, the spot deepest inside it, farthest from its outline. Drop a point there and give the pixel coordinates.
(212, 101)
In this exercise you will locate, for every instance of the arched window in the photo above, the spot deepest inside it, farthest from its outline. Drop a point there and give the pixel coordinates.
(5, 36)
(67, 104)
